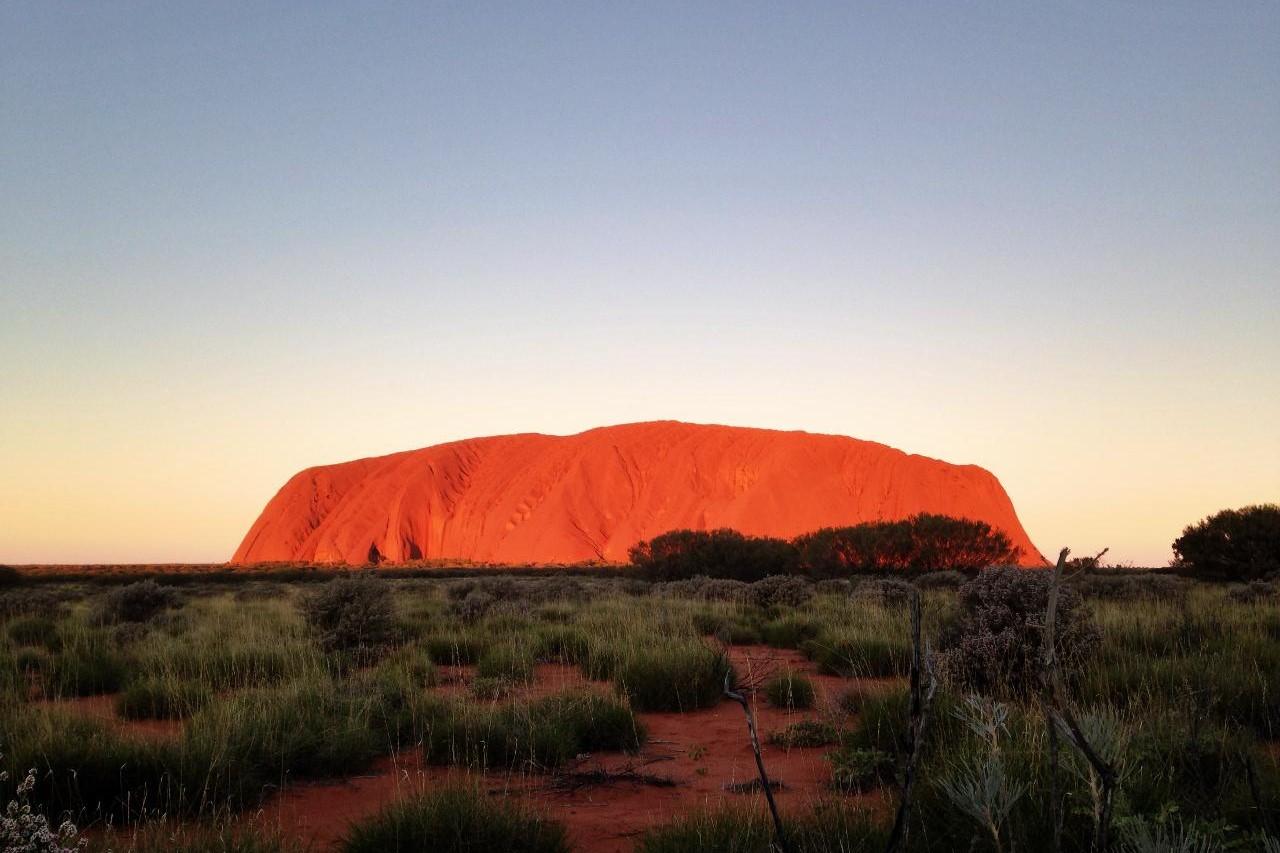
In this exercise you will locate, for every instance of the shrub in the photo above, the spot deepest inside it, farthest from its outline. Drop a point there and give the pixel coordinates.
(351, 614)
(995, 646)
(135, 602)
(857, 770)
(722, 553)
(34, 631)
(923, 542)
(673, 677)
(806, 733)
(24, 830)
(9, 576)
(941, 580)
(1240, 593)
(454, 819)
(47, 603)
(886, 591)
(790, 690)
(781, 591)
(1234, 544)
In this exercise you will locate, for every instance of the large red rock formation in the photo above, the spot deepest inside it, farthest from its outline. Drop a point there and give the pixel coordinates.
(551, 499)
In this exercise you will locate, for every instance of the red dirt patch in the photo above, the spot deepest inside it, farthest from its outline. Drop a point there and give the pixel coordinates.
(102, 708)
(699, 752)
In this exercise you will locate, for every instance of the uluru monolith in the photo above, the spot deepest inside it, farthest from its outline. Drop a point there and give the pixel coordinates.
(541, 499)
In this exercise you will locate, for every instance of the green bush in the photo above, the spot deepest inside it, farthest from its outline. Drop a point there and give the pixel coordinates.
(351, 614)
(790, 690)
(720, 553)
(455, 648)
(1234, 544)
(135, 602)
(806, 733)
(994, 647)
(454, 820)
(922, 542)
(34, 631)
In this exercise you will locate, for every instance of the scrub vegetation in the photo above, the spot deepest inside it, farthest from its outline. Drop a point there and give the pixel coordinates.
(277, 678)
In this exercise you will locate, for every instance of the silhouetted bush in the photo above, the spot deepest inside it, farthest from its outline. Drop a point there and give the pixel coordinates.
(995, 646)
(351, 613)
(922, 542)
(1235, 544)
(9, 576)
(135, 602)
(720, 553)
(1245, 593)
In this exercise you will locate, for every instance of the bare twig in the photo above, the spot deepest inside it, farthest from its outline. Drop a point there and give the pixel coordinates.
(764, 777)
(1255, 790)
(921, 702)
(1055, 698)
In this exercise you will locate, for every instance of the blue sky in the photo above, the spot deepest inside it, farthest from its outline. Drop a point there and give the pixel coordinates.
(243, 238)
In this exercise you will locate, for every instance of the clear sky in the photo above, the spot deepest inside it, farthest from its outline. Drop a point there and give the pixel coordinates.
(241, 238)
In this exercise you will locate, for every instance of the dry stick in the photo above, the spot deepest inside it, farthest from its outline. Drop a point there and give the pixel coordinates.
(1255, 790)
(921, 701)
(764, 777)
(1055, 697)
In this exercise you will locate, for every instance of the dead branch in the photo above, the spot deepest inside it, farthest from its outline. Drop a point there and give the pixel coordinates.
(779, 833)
(1055, 698)
(921, 702)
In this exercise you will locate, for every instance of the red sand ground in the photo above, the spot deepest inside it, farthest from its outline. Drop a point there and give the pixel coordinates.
(540, 499)
(700, 751)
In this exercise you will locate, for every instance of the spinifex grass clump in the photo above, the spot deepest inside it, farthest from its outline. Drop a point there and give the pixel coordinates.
(828, 827)
(86, 664)
(88, 770)
(673, 676)
(790, 690)
(34, 631)
(454, 820)
(806, 733)
(544, 733)
(162, 699)
(508, 662)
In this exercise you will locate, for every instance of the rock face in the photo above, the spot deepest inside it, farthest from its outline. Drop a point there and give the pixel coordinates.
(553, 499)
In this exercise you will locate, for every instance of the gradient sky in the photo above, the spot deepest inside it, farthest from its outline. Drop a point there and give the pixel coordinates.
(238, 239)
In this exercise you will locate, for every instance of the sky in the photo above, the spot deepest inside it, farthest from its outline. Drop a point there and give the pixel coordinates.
(241, 238)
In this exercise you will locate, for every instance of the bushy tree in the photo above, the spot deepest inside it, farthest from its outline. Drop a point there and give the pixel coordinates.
(136, 602)
(351, 613)
(922, 542)
(995, 646)
(1235, 544)
(722, 553)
